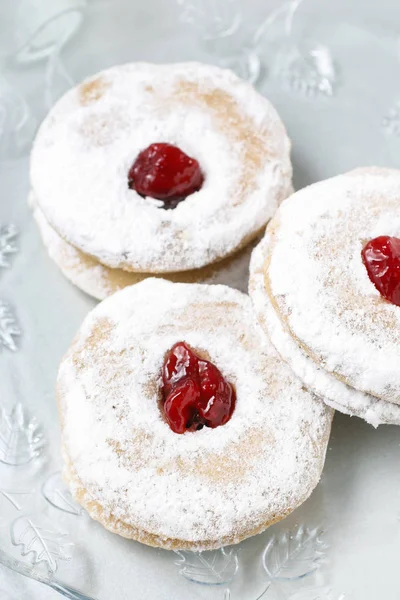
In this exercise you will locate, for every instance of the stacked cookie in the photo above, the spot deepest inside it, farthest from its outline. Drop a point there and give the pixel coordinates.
(325, 283)
(156, 170)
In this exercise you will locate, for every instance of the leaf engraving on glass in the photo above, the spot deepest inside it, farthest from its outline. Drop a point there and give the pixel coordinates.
(58, 495)
(15, 497)
(307, 67)
(57, 79)
(303, 65)
(294, 554)
(8, 245)
(9, 328)
(292, 562)
(216, 567)
(45, 545)
(16, 122)
(278, 23)
(47, 23)
(212, 18)
(218, 26)
(21, 440)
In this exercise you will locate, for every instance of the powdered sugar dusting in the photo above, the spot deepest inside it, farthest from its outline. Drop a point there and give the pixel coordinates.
(328, 301)
(333, 391)
(90, 139)
(206, 487)
(89, 276)
(99, 281)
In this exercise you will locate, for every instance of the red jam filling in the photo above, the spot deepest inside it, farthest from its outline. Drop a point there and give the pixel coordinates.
(164, 172)
(381, 257)
(195, 392)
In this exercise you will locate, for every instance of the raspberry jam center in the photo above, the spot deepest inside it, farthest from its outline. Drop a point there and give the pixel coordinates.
(381, 257)
(164, 172)
(195, 393)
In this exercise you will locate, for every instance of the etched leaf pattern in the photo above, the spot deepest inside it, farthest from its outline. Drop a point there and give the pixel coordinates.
(294, 554)
(8, 244)
(278, 23)
(21, 439)
(58, 495)
(9, 328)
(214, 568)
(16, 121)
(45, 545)
(218, 27)
(307, 68)
(57, 78)
(291, 561)
(213, 18)
(305, 65)
(15, 498)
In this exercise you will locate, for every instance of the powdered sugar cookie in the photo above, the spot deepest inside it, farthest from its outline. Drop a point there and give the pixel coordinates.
(334, 392)
(158, 359)
(134, 140)
(321, 286)
(99, 281)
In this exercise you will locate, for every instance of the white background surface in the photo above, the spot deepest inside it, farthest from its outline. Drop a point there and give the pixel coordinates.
(358, 500)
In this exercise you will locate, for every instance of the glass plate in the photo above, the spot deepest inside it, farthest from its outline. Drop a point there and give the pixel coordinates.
(331, 70)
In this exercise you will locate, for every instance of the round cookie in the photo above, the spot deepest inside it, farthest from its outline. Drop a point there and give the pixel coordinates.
(87, 144)
(332, 390)
(319, 287)
(199, 490)
(99, 281)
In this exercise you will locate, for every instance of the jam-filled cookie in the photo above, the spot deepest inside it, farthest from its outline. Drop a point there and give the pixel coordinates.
(326, 285)
(331, 389)
(156, 169)
(181, 426)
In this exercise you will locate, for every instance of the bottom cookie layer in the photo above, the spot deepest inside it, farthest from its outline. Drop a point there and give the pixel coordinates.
(97, 513)
(100, 281)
